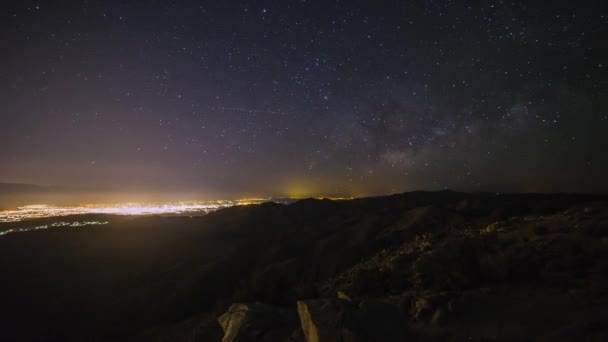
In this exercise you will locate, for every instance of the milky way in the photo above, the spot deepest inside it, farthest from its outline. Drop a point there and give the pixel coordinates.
(306, 97)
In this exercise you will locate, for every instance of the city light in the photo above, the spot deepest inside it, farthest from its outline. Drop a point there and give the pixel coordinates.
(54, 225)
(180, 208)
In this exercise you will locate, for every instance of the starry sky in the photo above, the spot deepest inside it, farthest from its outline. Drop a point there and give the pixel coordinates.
(303, 98)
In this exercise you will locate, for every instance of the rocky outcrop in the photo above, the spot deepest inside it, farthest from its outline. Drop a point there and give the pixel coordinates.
(323, 320)
(257, 323)
(330, 320)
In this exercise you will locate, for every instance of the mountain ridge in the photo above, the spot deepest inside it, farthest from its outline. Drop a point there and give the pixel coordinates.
(453, 263)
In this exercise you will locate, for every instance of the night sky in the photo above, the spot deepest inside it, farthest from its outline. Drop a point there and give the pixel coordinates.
(305, 97)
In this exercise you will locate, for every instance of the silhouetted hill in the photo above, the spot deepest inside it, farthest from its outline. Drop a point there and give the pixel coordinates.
(458, 266)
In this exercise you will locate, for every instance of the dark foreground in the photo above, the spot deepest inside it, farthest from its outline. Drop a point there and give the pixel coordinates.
(411, 267)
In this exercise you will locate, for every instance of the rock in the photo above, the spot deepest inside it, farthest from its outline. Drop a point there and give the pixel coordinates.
(257, 323)
(339, 320)
(421, 307)
(321, 320)
(439, 317)
(588, 211)
(344, 296)
(424, 306)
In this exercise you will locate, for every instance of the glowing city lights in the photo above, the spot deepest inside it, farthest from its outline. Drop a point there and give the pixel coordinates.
(181, 208)
(54, 225)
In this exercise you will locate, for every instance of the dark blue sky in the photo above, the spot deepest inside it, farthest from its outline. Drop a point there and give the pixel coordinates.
(305, 97)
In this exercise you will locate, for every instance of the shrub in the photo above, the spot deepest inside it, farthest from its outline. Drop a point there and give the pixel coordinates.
(541, 230)
(453, 266)
(494, 266)
(369, 281)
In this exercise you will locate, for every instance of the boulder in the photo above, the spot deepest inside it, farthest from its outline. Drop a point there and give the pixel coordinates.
(321, 320)
(257, 323)
(334, 320)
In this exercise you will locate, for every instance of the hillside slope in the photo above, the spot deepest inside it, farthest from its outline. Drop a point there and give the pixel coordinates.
(458, 266)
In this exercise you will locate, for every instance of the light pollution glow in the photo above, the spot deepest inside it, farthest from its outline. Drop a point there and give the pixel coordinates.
(172, 208)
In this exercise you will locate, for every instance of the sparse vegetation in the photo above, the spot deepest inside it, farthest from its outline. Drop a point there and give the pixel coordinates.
(457, 265)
